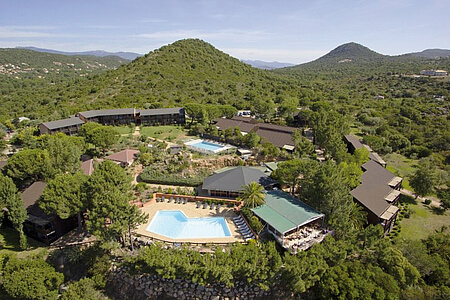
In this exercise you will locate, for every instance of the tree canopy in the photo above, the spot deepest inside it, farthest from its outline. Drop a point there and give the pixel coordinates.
(65, 196)
(252, 194)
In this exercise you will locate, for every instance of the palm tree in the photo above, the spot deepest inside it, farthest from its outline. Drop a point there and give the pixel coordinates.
(252, 194)
(358, 217)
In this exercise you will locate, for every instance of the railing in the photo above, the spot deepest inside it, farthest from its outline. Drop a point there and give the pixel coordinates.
(193, 198)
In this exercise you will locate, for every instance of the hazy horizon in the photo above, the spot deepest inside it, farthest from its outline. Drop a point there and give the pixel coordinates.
(287, 32)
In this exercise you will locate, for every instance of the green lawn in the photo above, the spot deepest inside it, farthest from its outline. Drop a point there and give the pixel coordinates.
(423, 222)
(170, 133)
(401, 166)
(124, 129)
(9, 243)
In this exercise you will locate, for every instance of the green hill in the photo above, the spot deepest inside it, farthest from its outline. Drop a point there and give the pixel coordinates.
(186, 71)
(21, 63)
(352, 59)
(351, 52)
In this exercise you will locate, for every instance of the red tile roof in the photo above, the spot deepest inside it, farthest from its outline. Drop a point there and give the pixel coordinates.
(127, 156)
(87, 167)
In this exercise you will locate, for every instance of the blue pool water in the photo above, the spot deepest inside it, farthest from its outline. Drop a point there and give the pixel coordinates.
(174, 224)
(208, 146)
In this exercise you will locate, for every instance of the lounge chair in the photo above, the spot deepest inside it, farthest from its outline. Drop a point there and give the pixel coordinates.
(248, 236)
(241, 225)
(205, 205)
(217, 208)
(243, 228)
(157, 199)
(240, 222)
(212, 206)
(185, 200)
(238, 218)
(246, 231)
(170, 199)
(177, 200)
(199, 204)
(162, 199)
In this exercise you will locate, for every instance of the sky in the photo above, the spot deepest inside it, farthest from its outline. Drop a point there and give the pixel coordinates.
(285, 31)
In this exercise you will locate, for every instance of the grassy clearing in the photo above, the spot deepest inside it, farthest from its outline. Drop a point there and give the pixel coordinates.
(9, 244)
(170, 133)
(423, 221)
(401, 166)
(124, 129)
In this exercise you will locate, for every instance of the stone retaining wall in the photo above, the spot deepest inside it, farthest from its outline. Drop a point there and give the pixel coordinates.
(121, 285)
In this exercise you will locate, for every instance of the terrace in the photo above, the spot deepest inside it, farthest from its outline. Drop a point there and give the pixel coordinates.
(295, 225)
(192, 210)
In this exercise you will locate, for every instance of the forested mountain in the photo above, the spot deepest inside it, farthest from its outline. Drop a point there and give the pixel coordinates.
(99, 53)
(351, 52)
(433, 53)
(378, 94)
(22, 63)
(381, 96)
(183, 72)
(352, 58)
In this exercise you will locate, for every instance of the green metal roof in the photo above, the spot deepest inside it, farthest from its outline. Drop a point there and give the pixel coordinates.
(273, 165)
(284, 212)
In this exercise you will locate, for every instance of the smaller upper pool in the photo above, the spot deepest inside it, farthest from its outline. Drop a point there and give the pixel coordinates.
(206, 147)
(175, 225)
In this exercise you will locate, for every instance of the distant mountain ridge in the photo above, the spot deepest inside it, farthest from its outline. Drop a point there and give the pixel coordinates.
(98, 53)
(265, 65)
(432, 53)
(21, 63)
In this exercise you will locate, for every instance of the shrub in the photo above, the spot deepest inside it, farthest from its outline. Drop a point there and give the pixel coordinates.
(408, 213)
(156, 176)
(427, 201)
(140, 187)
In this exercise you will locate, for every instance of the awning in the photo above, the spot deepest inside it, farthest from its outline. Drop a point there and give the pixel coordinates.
(392, 196)
(395, 181)
(389, 213)
(289, 147)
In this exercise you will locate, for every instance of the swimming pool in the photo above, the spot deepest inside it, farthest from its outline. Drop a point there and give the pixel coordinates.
(175, 225)
(207, 147)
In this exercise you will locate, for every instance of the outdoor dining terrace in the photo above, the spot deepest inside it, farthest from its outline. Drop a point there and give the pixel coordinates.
(304, 238)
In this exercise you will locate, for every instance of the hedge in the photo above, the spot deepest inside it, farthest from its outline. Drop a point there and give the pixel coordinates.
(155, 176)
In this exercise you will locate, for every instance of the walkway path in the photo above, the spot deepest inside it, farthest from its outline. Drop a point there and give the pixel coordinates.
(434, 201)
(137, 131)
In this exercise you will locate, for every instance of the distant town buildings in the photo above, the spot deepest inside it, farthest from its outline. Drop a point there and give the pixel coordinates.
(434, 73)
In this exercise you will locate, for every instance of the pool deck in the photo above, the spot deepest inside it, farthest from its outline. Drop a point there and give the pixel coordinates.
(190, 211)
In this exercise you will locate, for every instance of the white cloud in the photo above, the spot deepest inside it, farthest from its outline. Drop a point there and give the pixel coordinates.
(22, 32)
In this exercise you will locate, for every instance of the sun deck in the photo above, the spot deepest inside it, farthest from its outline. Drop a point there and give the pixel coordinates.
(191, 211)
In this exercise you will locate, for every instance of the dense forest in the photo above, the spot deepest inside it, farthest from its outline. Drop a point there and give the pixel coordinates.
(378, 94)
(351, 89)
